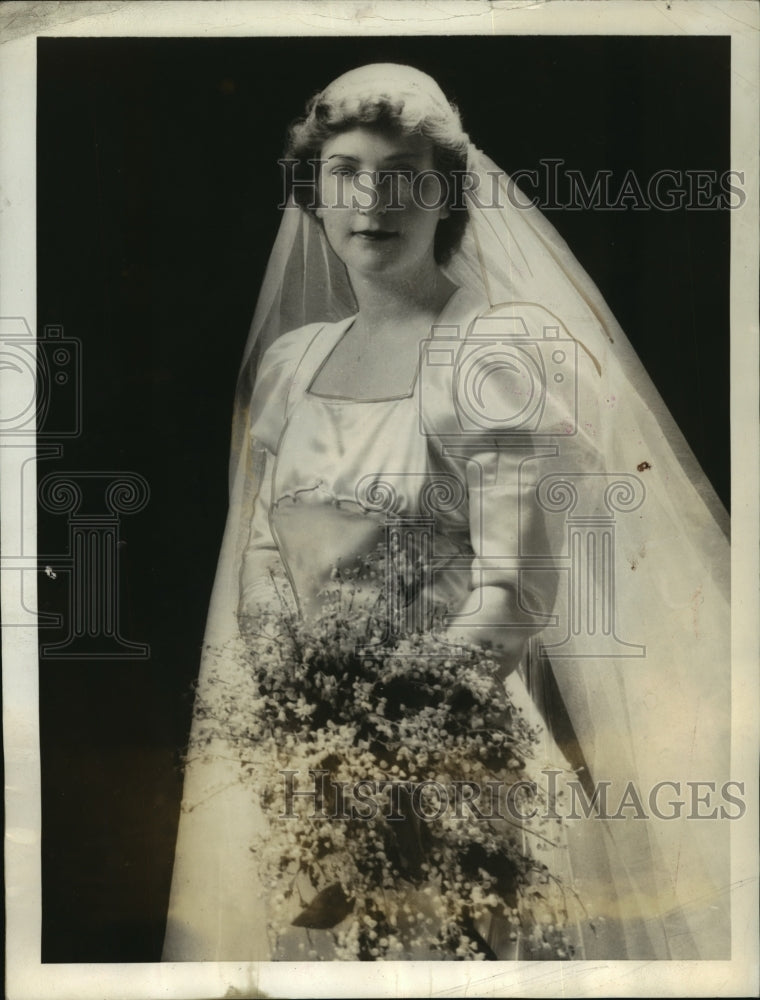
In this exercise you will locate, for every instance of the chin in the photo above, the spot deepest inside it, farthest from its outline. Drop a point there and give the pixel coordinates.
(377, 264)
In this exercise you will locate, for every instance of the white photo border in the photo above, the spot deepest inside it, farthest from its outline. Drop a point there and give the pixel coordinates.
(27, 978)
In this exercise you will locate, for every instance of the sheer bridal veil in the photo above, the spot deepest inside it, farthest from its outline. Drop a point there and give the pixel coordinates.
(638, 647)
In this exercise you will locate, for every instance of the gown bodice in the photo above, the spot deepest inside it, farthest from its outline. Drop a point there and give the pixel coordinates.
(340, 471)
(344, 470)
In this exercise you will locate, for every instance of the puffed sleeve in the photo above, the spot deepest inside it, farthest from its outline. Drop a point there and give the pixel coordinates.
(499, 406)
(261, 558)
(511, 547)
(269, 411)
(272, 391)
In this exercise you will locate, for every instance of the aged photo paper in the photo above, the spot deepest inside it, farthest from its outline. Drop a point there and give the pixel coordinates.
(144, 186)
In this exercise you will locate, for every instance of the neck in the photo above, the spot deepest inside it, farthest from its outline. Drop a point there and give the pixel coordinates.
(385, 299)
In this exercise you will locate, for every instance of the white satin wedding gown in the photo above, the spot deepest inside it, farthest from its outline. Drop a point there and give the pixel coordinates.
(335, 470)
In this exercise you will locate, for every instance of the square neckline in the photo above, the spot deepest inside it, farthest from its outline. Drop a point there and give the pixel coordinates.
(409, 394)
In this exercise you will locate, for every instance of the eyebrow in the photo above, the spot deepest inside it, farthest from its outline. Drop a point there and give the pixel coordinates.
(388, 159)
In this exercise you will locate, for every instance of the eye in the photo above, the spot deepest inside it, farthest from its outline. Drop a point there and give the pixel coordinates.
(342, 170)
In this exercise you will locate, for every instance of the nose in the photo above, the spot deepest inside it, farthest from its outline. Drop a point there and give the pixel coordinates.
(371, 192)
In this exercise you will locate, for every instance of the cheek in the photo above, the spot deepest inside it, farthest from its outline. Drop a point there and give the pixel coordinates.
(429, 191)
(333, 197)
(422, 223)
(333, 225)
(327, 195)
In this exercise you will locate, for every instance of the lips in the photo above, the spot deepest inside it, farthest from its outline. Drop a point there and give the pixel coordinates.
(375, 235)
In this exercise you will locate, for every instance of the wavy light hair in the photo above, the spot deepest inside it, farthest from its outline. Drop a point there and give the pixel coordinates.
(391, 98)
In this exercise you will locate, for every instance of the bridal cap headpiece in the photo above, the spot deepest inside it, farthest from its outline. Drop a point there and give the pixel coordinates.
(410, 94)
(375, 78)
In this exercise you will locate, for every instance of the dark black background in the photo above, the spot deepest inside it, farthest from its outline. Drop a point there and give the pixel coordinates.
(157, 194)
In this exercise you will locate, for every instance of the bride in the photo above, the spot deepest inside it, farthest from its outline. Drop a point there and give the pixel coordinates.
(421, 326)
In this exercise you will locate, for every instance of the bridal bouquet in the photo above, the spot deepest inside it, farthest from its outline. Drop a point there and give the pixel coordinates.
(394, 775)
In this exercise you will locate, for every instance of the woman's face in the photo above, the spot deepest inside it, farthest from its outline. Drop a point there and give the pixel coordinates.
(378, 207)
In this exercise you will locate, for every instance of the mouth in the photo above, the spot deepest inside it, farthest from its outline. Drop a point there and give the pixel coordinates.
(375, 235)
